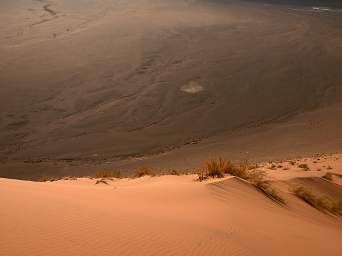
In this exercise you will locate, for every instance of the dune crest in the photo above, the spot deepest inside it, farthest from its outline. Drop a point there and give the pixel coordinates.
(166, 215)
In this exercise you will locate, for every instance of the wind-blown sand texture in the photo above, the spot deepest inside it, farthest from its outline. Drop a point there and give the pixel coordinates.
(96, 84)
(171, 215)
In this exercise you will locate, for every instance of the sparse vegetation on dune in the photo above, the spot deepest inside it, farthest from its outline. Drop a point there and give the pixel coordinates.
(107, 174)
(144, 171)
(173, 172)
(218, 168)
(322, 203)
(258, 179)
(305, 167)
(47, 178)
(70, 178)
(273, 167)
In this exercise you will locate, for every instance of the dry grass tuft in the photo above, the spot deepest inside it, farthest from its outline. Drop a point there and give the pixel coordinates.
(305, 167)
(107, 174)
(174, 172)
(241, 170)
(217, 169)
(70, 178)
(257, 178)
(273, 167)
(321, 203)
(144, 171)
(47, 178)
(202, 174)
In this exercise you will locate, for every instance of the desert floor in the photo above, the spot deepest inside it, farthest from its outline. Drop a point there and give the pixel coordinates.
(88, 85)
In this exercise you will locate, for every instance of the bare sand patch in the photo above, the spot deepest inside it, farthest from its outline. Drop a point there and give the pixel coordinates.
(192, 87)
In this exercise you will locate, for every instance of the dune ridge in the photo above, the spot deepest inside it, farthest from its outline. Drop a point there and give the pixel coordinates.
(171, 215)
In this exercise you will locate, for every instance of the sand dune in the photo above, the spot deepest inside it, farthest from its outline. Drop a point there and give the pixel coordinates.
(110, 85)
(167, 215)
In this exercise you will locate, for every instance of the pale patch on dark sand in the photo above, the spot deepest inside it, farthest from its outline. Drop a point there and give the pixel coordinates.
(192, 87)
(107, 82)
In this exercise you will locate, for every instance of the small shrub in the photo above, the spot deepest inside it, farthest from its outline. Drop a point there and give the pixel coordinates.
(217, 168)
(174, 172)
(202, 174)
(329, 167)
(273, 167)
(305, 167)
(144, 172)
(292, 162)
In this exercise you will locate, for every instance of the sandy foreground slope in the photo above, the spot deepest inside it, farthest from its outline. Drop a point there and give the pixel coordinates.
(170, 215)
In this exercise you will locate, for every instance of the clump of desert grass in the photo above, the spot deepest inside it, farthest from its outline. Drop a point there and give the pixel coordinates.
(258, 179)
(144, 171)
(292, 162)
(174, 172)
(103, 174)
(321, 203)
(47, 178)
(305, 167)
(273, 167)
(69, 178)
(181, 172)
(218, 168)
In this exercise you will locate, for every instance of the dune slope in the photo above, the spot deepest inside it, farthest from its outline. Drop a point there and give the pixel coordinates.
(167, 215)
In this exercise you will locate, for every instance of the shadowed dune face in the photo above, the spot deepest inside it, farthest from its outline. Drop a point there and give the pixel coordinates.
(112, 79)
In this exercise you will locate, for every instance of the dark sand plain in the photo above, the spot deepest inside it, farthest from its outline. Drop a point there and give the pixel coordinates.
(92, 85)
